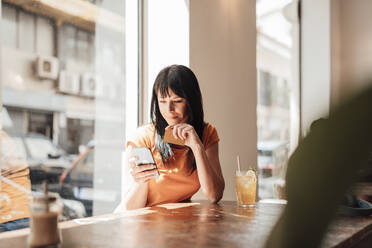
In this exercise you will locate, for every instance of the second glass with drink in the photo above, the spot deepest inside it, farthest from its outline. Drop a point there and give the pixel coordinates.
(246, 184)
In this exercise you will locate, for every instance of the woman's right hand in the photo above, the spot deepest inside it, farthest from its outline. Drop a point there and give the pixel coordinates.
(141, 173)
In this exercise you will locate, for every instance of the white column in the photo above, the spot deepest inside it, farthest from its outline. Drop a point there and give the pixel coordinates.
(223, 57)
(315, 61)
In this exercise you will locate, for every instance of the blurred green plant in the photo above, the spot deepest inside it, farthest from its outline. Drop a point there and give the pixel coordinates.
(322, 168)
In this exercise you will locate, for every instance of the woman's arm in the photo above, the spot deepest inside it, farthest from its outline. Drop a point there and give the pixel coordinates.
(209, 171)
(207, 162)
(134, 198)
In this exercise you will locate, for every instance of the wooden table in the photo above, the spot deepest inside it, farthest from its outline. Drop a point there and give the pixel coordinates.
(189, 225)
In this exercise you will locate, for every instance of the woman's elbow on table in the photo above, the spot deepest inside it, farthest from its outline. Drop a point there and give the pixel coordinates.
(125, 205)
(217, 195)
(215, 199)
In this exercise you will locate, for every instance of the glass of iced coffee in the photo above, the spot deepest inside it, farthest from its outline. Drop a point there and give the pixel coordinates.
(246, 184)
(44, 231)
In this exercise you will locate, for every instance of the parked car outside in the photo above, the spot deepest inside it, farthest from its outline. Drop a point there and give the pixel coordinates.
(46, 161)
(272, 160)
(272, 156)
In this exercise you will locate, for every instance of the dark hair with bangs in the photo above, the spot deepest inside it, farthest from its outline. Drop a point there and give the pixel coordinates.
(183, 82)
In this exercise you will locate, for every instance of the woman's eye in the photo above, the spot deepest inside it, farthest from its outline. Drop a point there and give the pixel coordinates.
(178, 101)
(161, 101)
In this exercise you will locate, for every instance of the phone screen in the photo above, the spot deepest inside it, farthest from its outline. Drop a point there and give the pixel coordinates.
(144, 155)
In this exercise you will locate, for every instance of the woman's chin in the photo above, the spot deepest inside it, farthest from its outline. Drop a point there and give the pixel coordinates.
(173, 122)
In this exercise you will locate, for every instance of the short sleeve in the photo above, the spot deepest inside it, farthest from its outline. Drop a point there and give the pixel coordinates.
(210, 136)
(142, 137)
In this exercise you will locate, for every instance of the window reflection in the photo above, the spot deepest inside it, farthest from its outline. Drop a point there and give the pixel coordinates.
(62, 91)
(41, 148)
(15, 184)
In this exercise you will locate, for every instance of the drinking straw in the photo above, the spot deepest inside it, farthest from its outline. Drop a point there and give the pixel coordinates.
(238, 158)
(45, 187)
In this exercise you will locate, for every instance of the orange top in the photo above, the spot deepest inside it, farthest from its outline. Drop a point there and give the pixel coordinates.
(14, 203)
(175, 182)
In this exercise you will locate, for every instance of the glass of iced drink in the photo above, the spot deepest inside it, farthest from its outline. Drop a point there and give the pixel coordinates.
(44, 231)
(246, 183)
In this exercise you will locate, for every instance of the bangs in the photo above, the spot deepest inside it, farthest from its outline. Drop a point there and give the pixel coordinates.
(162, 88)
(171, 82)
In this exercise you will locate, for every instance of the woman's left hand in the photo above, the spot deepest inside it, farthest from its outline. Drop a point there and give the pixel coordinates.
(187, 133)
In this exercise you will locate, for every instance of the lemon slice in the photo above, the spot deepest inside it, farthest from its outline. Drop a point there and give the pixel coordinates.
(251, 176)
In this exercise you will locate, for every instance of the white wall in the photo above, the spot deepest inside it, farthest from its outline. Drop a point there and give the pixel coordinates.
(352, 38)
(336, 53)
(315, 61)
(223, 57)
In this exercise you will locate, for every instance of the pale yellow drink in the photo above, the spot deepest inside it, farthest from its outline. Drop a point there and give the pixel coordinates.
(246, 183)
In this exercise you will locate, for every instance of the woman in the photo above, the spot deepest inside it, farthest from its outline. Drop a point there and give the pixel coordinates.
(176, 104)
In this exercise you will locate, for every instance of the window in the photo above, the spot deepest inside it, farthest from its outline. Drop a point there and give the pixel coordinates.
(167, 42)
(70, 87)
(277, 84)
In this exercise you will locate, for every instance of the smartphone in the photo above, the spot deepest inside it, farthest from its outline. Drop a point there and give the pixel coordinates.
(169, 138)
(144, 156)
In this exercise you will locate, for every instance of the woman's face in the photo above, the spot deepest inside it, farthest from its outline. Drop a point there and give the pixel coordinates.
(172, 108)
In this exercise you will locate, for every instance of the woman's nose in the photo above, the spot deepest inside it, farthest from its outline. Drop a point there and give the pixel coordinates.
(170, 106)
